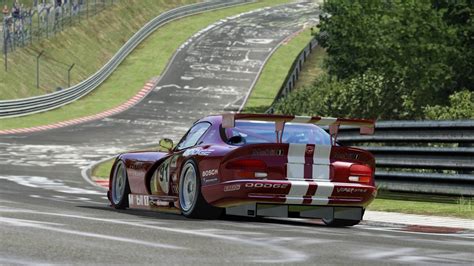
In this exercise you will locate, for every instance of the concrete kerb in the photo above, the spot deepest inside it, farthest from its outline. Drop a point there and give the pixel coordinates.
(418, 223)
(86, 173)
(147, 88)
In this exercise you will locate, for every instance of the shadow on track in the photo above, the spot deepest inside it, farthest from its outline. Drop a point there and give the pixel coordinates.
(229, 218)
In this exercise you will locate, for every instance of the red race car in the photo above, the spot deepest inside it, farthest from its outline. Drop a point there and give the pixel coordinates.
(251, 165)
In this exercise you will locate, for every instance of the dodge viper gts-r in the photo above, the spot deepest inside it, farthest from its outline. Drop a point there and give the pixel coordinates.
(251, 165)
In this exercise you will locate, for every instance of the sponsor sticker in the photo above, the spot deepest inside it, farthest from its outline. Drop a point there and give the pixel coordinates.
(208, 181)
(231, 187)
(139, 200)
(265, 185)
(350, 190)
(211, 172)
(267, 152)
(197, 151)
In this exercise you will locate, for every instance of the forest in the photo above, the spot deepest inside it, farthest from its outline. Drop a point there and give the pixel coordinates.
(392, 60)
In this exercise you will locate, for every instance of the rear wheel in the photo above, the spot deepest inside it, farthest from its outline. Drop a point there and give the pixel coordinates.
(120, 187)
(192, 203)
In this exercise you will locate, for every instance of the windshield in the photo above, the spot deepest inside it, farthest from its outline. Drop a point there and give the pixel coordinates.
(264, 132)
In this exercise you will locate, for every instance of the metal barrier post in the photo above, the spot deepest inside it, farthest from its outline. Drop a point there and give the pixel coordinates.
(5, 48)
(69, 75)
(39, 24)
(37, 68)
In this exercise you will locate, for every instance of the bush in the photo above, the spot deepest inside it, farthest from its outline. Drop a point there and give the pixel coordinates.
(364, 97)
(461, 107)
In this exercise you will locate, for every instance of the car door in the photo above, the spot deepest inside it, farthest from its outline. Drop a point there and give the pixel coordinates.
(165, 180)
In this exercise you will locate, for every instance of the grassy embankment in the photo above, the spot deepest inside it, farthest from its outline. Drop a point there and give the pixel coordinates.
(276, 69)
(88, 43)
(148, 60)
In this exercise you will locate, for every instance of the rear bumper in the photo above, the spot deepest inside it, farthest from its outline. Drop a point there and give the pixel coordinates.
(289, 192)
(297, 211)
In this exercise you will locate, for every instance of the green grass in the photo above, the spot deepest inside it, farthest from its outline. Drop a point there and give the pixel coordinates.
(148, 60)
(312, 68)
(463, 208)
(102, 170)
(274, 73)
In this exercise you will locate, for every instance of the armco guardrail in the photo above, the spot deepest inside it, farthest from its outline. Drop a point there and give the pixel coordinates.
(411, 156)
(420, 156)
(20, 107)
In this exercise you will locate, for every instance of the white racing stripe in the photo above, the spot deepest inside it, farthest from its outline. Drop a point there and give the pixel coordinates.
(297, 190)
(323, 192)
(321, 171)
(321, 154)
(321, 161)
(296, 153)
(296, 160)
(324, 189)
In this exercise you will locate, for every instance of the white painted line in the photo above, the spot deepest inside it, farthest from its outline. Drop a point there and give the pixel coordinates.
(36, 225)
(87, 169)
(282, 253)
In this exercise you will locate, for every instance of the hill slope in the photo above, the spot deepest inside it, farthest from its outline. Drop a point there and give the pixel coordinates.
(88, 44)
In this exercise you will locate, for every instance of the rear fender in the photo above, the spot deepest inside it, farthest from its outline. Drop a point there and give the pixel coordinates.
(139, 165)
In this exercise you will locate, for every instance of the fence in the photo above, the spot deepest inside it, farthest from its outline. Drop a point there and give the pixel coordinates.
(23, 25)
(411, 156)
(20, 107)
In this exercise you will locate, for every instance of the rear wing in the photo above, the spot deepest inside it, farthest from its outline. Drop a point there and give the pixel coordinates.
(366, 126)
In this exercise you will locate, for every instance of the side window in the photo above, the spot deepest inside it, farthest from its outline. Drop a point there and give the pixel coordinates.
(194, 134)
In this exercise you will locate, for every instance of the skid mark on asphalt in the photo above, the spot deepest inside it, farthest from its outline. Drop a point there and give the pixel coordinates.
(46, 183)
(53, 155)
(415, 255)
(282, 254)
(398, 229)
(70, 200)
(44, 226)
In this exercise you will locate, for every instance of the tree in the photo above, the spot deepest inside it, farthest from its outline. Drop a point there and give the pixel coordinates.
(410, 44)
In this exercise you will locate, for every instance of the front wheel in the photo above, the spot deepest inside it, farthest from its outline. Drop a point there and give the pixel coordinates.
(192, 203)
(120, 187)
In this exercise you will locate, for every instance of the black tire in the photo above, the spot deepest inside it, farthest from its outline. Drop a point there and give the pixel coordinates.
(340, 222)
(120, 187)
(191, 201)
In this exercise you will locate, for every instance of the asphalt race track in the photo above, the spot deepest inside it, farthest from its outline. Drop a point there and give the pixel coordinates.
(50, 214)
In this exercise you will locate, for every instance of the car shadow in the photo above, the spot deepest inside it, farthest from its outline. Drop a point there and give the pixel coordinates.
(230, 218)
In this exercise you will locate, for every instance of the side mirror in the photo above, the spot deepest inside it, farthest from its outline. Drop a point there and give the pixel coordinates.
(236, 140)
(165, 145)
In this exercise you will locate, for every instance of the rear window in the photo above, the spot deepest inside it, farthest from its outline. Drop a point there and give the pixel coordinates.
(264, 132)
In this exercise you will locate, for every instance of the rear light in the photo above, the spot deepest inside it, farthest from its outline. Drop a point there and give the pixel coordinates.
(247, 164)
(360, 174)
(248, 168)
(261, 174)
